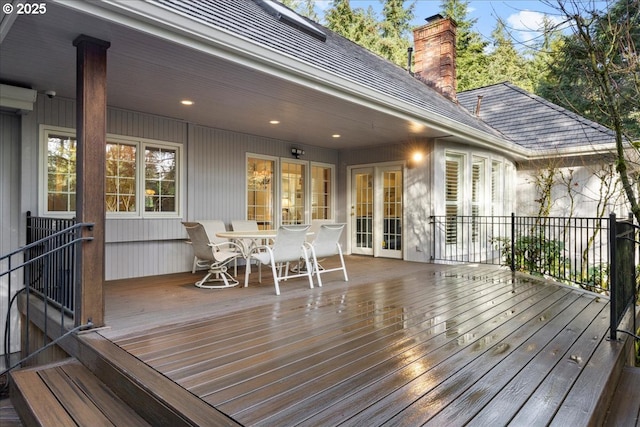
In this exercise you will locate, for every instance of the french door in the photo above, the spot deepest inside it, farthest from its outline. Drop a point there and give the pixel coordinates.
(376, 211)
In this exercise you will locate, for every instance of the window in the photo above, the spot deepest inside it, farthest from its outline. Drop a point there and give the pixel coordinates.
(496, 192)
(293, 184)
(260, 191)
(61, 173)
(453, 195)
(321, 192)
(478, 183)
(295, 192)
(135, 185)
(121, 177)
(160, 179)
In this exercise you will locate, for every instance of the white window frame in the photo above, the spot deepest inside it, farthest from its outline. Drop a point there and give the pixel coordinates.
(277, 187)
(332, 199)
(141, 144)
(461, 159)
(306, 214)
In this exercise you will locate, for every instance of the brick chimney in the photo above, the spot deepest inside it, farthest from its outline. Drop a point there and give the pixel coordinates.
(435, 54)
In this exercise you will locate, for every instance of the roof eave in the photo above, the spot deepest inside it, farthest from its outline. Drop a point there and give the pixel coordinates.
(169, 25)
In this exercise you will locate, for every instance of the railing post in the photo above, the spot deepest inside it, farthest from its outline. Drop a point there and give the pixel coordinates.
(612, 277)
(513, 241)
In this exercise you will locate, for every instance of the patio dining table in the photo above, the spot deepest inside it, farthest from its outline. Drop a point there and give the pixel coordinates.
(257, 237)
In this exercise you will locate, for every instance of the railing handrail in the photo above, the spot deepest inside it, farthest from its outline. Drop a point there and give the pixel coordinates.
(39, 242)
(53, 260)
(503, 240)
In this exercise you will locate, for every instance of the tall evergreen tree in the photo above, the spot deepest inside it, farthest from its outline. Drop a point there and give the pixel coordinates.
(471, 60)
(609, 40)
(303, 7)
(395, 31)
(505, 63)
(339, 17)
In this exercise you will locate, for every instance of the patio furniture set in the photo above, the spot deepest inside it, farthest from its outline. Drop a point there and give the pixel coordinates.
(291, 251)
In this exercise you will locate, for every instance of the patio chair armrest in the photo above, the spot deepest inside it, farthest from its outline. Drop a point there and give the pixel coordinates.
(232, 246)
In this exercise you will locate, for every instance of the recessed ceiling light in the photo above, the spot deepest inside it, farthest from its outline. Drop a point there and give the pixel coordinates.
(274, 122)
(335, 135)
(186, 102)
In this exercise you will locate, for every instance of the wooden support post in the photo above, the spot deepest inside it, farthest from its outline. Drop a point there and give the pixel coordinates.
(91, 119)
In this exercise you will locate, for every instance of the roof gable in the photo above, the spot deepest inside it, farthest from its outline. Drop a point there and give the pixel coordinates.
(531, 121)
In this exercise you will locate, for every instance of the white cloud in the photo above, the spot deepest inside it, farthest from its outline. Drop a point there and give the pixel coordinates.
(527, 25)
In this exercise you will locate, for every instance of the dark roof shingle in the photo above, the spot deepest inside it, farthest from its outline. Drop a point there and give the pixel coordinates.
(336, 55)
(531, 121)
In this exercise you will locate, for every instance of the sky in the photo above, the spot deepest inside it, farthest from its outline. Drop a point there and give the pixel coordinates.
(522, 17)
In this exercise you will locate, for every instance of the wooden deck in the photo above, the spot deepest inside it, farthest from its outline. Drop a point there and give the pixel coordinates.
(399, 344)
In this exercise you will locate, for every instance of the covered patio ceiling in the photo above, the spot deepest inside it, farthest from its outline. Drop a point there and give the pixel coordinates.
(149, 74)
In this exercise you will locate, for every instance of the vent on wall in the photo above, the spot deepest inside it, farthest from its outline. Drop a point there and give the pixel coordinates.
(289, 17)
(17, 98)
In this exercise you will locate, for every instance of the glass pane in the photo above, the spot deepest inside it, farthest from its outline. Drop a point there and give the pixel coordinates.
(61, 158)
(293, 193)
(364, 210)
(260, 196)
(320, 192)
(160, 183)
(392, 210)
(121, 177)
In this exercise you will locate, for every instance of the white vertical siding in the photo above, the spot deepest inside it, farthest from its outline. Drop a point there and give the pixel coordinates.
(10, 221)
(215, 179)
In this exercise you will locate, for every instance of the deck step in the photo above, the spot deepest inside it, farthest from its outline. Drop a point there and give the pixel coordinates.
(625, 403)
(68, 394)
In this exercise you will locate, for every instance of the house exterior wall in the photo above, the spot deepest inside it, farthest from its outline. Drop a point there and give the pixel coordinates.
(577, 187)
(10, 219)
(417, 195)
(214, 187)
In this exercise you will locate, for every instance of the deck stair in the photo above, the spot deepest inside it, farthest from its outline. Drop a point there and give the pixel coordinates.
(68, 394)
(102, 385)
(625, 403)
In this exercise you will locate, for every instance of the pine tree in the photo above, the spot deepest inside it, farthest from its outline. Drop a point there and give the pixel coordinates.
(471, 61)
(505, 63)
(340, 17)
(395, 35)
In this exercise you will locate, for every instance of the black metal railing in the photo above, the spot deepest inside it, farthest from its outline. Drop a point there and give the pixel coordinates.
(595, 254)
(571, 250)
(623, 245)
(51, 276)
(45, 268)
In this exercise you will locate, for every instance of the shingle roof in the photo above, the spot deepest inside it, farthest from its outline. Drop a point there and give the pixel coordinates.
(531, 121)
(336, 55)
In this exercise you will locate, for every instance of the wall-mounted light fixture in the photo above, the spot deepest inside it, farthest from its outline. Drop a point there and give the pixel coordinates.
(297, 152)
(416, 158)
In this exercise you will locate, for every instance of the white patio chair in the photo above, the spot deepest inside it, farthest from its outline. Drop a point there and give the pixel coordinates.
(212, 227)
(218, 256)
(313, 232)
(289, 246)
(326, 244)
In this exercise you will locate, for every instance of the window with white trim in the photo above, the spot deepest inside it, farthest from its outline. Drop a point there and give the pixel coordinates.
(294, 195)
(261, 190)
(300, 190)
(135, 185)
(478, 183)
(321, 191)
(454, 165)
(496, 188)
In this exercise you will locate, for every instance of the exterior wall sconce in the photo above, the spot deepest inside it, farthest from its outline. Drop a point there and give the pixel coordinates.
(416, 158)
(297, 152)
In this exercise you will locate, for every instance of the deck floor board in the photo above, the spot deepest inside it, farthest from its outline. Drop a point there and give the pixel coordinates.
(399, 344)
